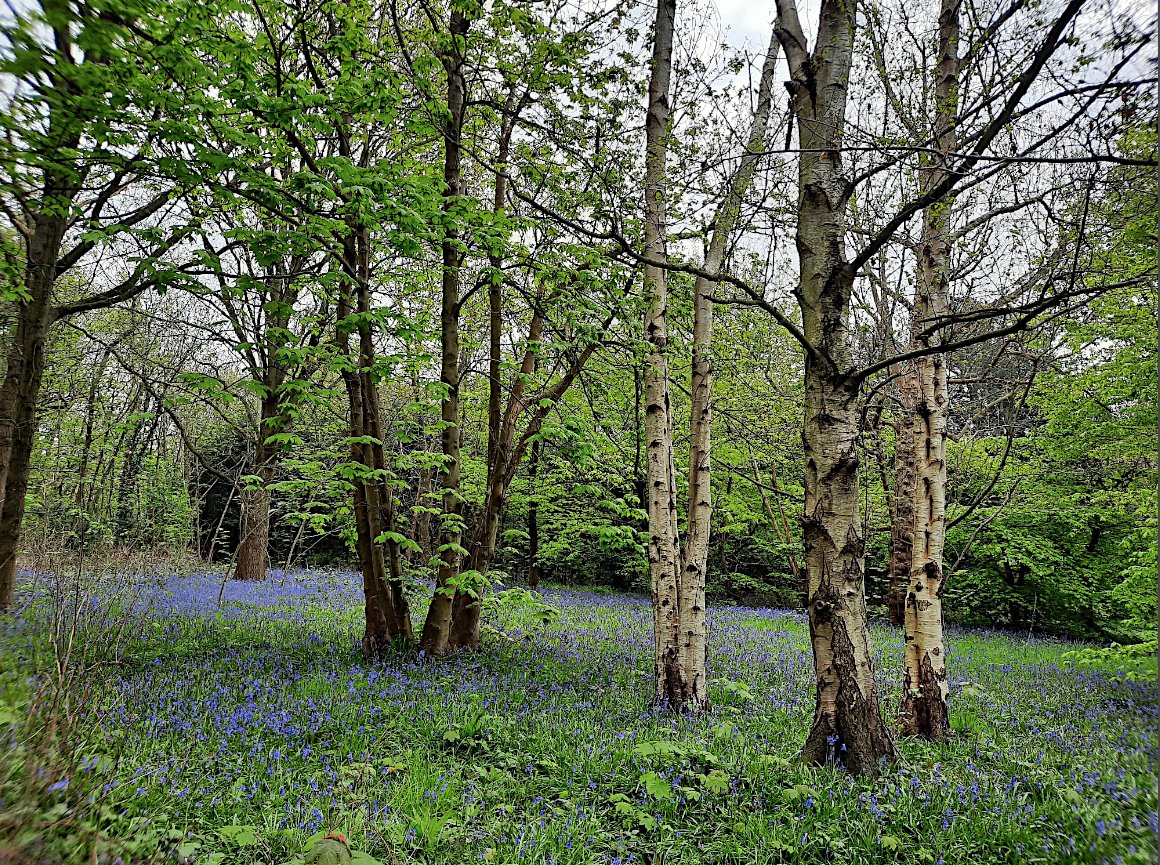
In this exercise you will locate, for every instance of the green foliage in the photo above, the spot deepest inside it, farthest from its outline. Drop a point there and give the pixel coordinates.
(529, 609)
(1075, 550)
(239, 836)
(1137, 660)
(471, 732)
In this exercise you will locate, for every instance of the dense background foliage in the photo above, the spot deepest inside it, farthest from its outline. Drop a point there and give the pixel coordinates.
(1064, 542)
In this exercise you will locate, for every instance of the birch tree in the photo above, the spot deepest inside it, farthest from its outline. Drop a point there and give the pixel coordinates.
(848, 725)
(672, 687)
(694, 630)
(924, 680)
(957, 77)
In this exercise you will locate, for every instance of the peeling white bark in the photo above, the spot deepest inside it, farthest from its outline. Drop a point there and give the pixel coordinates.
(848, 726)
(923, 711)
(693, 624)
(664, 542)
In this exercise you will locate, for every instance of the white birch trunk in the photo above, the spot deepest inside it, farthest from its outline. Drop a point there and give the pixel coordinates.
(848, 726)
(664, 542)
(694, 625)
(923, 711)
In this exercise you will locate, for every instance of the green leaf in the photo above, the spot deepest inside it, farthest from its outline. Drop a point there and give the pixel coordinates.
(240, 836)
(660, 746)
(969, 689)
(797, 792)
(625, 808)
(889, 842)
(715, 782)
(357, 857)
(656, 786)
(403, 541)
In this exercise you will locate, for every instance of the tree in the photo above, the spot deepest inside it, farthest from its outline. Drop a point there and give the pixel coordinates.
(694, 575)
(437, 627)
(260, 297)
(848, 725)
(83, 131)
(672, 686)
(922, 449)
(919, 518)
(526, 61)
(347, 197)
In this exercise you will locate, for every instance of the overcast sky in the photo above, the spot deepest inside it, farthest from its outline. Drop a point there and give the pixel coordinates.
(747, 20)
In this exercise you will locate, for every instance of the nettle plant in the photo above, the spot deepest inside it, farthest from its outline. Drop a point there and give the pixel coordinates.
(682, 772)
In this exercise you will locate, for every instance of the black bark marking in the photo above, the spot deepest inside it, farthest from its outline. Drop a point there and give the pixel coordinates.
(854, 545)
(923, 712)
(853, 735)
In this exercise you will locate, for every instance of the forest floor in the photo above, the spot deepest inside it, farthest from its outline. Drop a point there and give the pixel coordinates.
(241, 732)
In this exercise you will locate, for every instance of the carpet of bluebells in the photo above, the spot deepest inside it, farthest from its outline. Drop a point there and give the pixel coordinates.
(247, 726)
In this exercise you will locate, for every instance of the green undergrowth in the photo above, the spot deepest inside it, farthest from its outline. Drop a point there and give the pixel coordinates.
(244, 733)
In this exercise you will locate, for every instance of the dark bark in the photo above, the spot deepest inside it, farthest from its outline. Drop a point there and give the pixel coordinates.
(850, 732)
(437, 627)
(466, 609)
(252, 561)
(80, 518)
(388, 616)
(534, 518)
(923, 711)
(509, 454)
(21, 388)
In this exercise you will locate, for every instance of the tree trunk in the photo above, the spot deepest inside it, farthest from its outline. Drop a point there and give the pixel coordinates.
(25, 386)
(81, 516)
(923, 711)
(534, 518)
(21, 388)
(465, 630)
(508, 453)
(126, 519)
(437, 627)
(388, 616)
(251, 562)
(466, 606)
(694, 626)
(253, 549)
(847, 726)
(671, 688)
(905, 479)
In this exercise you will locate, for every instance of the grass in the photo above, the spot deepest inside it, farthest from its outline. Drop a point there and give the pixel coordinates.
(238, 733)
